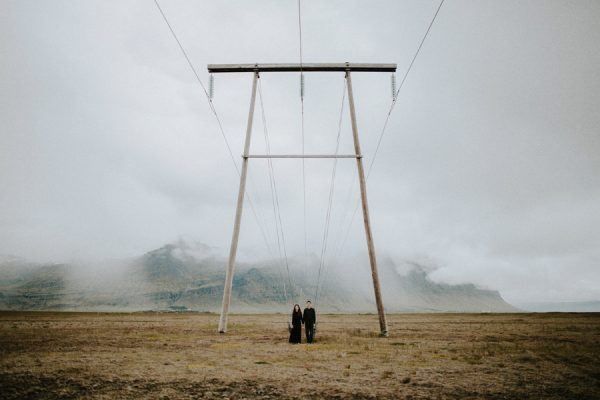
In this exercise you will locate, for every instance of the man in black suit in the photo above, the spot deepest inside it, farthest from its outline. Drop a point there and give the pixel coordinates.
(309, 319)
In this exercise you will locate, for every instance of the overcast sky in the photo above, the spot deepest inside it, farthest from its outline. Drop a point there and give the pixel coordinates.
(488, 171)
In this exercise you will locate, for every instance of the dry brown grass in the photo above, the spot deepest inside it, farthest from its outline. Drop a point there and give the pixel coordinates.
(152, 355)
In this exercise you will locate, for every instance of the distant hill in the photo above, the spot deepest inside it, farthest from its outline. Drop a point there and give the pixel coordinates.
(190, 277)
(567, 306)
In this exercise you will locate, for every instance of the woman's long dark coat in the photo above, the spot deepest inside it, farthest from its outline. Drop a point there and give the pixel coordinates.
(296, 333)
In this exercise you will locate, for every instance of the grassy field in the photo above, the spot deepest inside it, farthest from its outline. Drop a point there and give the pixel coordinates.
(180, 356)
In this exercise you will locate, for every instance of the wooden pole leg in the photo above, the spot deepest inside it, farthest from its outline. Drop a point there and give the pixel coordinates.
(365, 210)
(238, 216)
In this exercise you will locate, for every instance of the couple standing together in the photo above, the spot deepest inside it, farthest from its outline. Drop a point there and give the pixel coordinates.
(309, 319)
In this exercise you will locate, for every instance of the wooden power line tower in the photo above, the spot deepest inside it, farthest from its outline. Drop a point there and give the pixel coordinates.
(256, 69)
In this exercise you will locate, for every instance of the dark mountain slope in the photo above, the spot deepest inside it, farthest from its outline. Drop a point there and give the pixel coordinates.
(179, 276)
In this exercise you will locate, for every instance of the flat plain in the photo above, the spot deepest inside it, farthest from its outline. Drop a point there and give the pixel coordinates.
(180, 356)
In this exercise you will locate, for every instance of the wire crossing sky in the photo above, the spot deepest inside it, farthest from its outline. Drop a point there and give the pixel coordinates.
(487, 173)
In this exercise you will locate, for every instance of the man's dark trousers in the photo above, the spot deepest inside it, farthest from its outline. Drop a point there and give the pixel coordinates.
(310, 319)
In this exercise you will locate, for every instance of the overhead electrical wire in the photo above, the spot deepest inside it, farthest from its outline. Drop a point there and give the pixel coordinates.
(400, 87)
(302, 133)
(214, 111)
(271, 184)
(275, 198)
(387, 119)
(330, 202)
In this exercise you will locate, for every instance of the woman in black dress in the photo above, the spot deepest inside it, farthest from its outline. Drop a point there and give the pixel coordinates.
(296, 331)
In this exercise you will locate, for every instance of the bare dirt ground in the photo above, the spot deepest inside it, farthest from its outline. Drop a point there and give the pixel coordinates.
(180, 356)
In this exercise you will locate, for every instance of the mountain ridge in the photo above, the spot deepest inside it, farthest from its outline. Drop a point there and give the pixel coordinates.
(179, 276)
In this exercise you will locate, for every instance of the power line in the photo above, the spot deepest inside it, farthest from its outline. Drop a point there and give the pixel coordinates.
(401, 85)
(300, 31)
(214, 111)
(387, 119)
(274, 195)
(302, 133)
(331, 189)
(271, 182)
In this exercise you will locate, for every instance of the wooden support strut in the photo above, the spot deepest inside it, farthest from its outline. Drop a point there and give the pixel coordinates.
(238, 215)
(365, 209)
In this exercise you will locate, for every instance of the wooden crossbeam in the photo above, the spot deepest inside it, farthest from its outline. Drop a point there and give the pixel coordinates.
(327, 67)
(302, 156)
